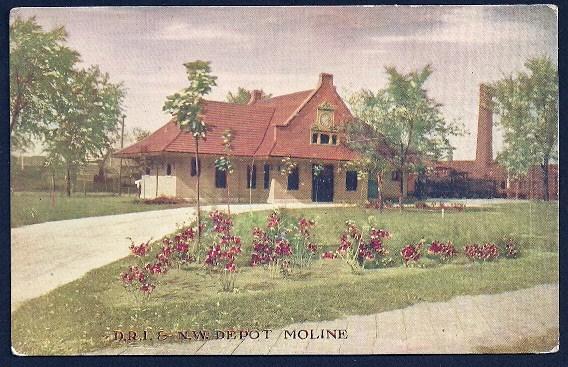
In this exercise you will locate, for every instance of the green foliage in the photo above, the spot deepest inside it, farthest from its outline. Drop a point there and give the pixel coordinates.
(39, 65)
(288, 166)
(400, 122)
(86, 111)
(186, 105)
(527, 105)
(242, 96)
(224, 164)
(139, 134)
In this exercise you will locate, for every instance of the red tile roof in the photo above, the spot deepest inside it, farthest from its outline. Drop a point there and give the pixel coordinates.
(273, 127)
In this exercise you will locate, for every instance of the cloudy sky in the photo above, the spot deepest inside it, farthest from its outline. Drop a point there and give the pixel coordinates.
(283, 49)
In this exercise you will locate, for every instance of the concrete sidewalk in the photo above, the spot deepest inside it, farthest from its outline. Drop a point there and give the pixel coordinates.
(48, 255)
(458, 326)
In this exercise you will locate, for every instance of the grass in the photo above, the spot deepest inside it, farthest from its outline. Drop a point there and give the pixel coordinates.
(35, 207)
(81, 316)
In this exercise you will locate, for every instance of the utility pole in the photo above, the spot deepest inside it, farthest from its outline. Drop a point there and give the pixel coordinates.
(121, 146)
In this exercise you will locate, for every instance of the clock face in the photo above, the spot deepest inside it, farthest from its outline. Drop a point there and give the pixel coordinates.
(325, 120)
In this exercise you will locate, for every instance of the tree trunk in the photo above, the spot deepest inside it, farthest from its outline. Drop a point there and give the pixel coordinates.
(157, 179)
(250, 186)
(401, 189)
(198, 209)
(53, 190)
(544, 167)
(228, 194)
(15, 115)
(380, 191)
(68, 181)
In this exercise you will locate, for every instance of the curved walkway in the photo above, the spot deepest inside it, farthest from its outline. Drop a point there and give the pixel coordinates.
(48, 255)
(460, 325)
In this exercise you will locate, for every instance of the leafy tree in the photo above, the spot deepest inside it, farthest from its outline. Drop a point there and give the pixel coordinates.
(87, 109)
(407, 122)
(527, 104)
(39, 61)
(139, 134)
(186, 106)
(225, 164)
(242, 96)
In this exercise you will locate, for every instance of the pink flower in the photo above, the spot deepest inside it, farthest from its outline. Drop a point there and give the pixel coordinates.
(328, 255)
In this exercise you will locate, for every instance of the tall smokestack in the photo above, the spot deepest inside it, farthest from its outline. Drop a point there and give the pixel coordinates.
(484, 152)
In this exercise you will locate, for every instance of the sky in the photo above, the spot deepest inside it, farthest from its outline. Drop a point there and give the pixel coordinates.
(283, 49)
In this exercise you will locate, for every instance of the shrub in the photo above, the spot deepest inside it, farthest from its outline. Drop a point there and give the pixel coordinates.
(178, 248)
(271, 248)
(286, 243)
(164, 200)
(221, 256)
(141, 278)
(511, 251)
(411, 253)
(442, 251)
(357, 251)
(485, 252)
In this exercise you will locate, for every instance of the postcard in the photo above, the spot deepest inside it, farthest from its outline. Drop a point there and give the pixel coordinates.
(349, 180)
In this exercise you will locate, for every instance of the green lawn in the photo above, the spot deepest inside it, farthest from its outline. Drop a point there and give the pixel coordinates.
(81, 315)
(35, 207)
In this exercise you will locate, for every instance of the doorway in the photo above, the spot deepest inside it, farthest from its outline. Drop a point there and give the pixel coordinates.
(322, 183)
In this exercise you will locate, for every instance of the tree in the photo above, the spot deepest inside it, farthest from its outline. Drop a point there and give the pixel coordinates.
(242, 96)
(527, 104)
(407, 122)
(517, 157)
(139, 134)
(376, 155)
(38, 63)
(87, 109)
(186, 106)
(225, 164)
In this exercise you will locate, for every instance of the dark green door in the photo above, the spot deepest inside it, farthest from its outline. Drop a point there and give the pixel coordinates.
(372, 188)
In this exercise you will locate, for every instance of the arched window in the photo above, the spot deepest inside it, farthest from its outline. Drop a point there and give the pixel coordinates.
(168, 169)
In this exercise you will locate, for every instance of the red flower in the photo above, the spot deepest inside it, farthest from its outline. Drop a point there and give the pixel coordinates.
(328, 255)
(411, 253)
(140, 250)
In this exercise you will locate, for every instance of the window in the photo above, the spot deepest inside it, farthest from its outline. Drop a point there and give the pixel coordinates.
(251, 177)
(351, 181)
(168, 170)
(503, 185)
(194, 167)
(294, 179)
(148, 170)
(395, 175)
(324, 138)
(220, 178)
(266, 176)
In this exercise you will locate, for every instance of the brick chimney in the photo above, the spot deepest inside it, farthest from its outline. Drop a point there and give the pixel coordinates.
(484, 151)
(326, 80)
(255, 96)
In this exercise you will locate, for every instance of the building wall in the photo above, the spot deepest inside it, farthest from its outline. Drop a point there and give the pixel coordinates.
(185, 184)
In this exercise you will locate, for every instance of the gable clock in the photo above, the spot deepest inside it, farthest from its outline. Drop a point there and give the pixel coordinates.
(325, 117)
